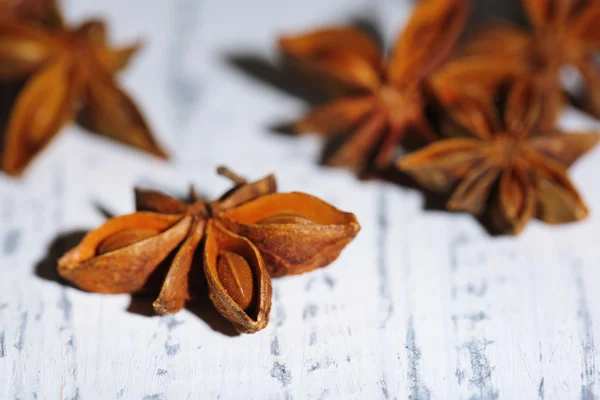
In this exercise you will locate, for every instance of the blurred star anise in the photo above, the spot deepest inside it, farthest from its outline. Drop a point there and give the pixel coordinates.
(514, 170)
(377, 99)
(564, 33)
(33, 10)
(243, 238)
(68, 70)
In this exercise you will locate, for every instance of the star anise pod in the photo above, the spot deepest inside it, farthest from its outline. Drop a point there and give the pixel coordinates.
(69, 70)
(377, 99)
(564, 33)
(477, 74)
(34, 10)
(513, 170)
(243, 238)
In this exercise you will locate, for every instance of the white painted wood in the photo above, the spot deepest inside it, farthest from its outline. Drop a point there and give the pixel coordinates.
(422, 305)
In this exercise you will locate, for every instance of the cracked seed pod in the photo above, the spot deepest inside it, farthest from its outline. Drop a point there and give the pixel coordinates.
(241, 293)
(320, 231)
(93, 269)
(241, 237)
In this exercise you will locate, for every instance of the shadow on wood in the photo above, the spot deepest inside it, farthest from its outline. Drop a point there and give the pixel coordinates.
(46, 268)
(433, 201)
(275, 75)
(192, 194)
(204, 309)
(201, 307)
(488, 12)
(8, 95)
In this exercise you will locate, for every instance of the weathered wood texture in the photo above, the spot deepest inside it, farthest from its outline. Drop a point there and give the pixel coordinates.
(424, 304)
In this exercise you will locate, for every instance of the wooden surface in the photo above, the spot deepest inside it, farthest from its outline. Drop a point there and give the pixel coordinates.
(423, 304)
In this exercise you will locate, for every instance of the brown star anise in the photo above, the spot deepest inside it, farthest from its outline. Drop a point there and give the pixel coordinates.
(244, 237)
(513, 170)
(378, 99)
(35, 10)
(72, 69)
(564, 33)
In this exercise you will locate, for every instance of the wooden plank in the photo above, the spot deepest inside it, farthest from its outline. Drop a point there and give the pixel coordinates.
(424, 304)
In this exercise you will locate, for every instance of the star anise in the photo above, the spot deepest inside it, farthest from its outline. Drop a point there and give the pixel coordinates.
(243, 238)
(36, 10)
(478, 74)
(564, 33)
(69, 70)
(378, 100)
(514, 170)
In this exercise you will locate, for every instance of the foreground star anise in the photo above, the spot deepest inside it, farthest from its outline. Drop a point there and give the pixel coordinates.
(512, 170)
(243, 238)
(70, 70)
(564, 33)
(378, 100)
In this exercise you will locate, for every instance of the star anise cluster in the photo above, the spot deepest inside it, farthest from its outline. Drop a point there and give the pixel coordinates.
(69, 72)
(511, 168)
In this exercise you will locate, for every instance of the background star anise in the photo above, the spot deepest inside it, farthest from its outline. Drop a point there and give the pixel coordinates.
(70, 70)
(377, 99)
(563, 33)
(35, 10)
(513, 170)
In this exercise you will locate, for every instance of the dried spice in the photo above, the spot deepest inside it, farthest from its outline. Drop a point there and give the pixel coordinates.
(377, 100)
(70, 70)
(514, 170)
(34, 10)
(564, 33)
(474, 75)
(243, 238)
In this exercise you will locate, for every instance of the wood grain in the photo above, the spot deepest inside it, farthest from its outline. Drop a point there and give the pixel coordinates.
(424, 304)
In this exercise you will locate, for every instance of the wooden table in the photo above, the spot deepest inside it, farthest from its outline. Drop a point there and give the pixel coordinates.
(423, 304)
